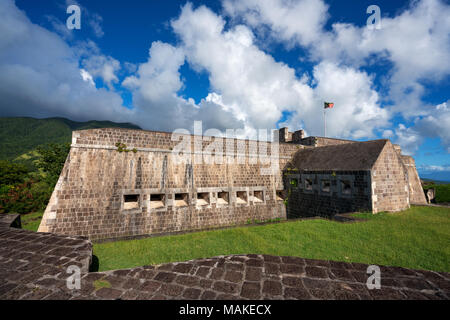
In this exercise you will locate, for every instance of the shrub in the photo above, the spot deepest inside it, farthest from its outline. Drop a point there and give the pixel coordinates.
(23, 198)
(442, 192)
(22, 191)
(12, 173)
(51, 160)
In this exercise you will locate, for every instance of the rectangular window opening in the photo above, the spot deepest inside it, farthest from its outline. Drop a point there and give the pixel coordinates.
(346, 187)
(326, 185)
(308, 184)
(241, 197)
(130, 201)
(223, 198)
(258, 196)
(157, 201)
(181, 199)
(203, 198)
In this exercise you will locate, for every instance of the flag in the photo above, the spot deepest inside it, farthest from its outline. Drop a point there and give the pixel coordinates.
(328, 105)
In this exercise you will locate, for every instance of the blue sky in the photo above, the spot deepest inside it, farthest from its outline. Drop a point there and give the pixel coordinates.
(237, 64)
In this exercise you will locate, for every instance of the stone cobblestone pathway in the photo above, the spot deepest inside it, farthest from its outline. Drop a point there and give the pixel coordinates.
(33, 266)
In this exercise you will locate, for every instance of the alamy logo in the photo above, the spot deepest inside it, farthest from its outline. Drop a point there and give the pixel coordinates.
(374, 21)
(73, 21)
(214, 147)
(74, 280)
(374, 281)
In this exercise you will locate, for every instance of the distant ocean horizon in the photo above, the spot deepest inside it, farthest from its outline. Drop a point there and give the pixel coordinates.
(443, 176)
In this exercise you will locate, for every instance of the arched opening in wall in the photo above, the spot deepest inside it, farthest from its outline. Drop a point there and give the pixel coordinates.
(241, 197)
(258, 196)
(223, 198)
(203, 199)
(130, 201)
(157, 201)
(181, 199)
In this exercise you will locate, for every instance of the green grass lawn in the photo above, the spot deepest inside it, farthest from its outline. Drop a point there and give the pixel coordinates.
(416, 238)
(31, 221)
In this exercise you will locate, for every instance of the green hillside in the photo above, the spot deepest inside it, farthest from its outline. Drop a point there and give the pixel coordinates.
(19, 136)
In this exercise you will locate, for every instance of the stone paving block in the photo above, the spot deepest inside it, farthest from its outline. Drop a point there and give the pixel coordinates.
(208, 295)
(253, 274)
(108, 293)
(316, 272)
(234, 276)
(186, 280)
(226, 287)
(165, 277)
(150, 286)
(251, 290)
(226, 277)
(272, 288)
(171, 290)
(292, 268)
(191, 293)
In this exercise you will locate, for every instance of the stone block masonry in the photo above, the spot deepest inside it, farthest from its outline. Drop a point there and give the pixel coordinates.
(122, 183)
(322, 193)
(106, 194)
(34, 266)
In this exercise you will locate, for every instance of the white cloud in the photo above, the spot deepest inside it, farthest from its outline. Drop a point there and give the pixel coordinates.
(415, 41)
(357, 111)
(257, 89)
(408, 138)
(158, 106)
(40, 75)
(159, 77)
(388, 134)
(87, 77)
(436, 124)
(60, 27)
(100, 66)
(434, 168)
(95, 22)
(290, 21)
(252, 85)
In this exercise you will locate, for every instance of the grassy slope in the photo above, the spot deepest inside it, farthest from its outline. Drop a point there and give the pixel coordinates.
(31, 221)
(416, 238)
(21, 135)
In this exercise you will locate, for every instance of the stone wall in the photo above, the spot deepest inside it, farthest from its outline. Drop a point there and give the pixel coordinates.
(416, 193)
(106, 194)
(390, 190)
(322, 142)
(347, 191)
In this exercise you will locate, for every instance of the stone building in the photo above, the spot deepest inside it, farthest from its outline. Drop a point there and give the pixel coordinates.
(122, 183)
(347, 177)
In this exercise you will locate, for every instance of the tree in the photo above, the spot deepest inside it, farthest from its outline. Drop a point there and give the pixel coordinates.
(12, 173)
(22, 191)
(52, 159)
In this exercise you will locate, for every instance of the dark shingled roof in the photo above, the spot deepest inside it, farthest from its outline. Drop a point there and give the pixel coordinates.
(348, 157)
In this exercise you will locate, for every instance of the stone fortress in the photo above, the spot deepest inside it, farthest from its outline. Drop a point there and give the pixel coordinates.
(122, 183)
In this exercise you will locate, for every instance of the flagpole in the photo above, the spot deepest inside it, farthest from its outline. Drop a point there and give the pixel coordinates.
(324, 123)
